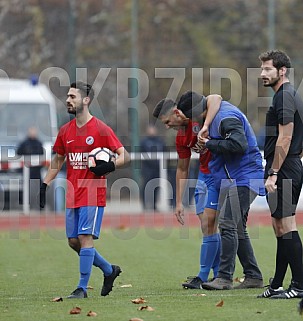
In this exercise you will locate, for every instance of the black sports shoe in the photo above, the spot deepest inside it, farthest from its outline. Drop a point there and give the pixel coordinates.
(195, 283)
(109, 280)
(79, 293)
(291, 293)
(269, 292)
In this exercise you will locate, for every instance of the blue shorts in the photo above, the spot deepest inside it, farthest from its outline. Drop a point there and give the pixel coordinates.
(83, 220)
(206, 195)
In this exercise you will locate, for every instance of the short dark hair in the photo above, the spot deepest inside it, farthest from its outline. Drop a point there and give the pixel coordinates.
(279, 59)
(86, 90)
(163, 106)
(192, 104)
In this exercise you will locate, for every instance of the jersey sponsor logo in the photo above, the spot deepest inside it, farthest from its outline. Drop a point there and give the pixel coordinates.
(196, 129)
(78, 160)
(193, 141)
(89, 140)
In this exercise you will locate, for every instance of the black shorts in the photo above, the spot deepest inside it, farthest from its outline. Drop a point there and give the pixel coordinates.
(284, 201)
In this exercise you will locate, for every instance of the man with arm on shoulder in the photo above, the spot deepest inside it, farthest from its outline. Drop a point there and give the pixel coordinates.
(236, 167)
(206, 196)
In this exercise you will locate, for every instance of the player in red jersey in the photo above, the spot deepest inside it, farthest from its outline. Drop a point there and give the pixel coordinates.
(86, 187)
(206, 196)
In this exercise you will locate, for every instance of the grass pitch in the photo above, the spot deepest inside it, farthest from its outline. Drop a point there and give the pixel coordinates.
(37, 266)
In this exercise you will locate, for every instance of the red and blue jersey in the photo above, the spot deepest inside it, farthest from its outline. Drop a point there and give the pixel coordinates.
(84, 188)
(186, 140)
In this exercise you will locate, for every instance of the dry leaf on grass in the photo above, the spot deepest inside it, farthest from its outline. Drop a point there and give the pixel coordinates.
(89, 287)
(135, 319)
(126, 286)
(146, 307)
(220, 304)
(58, 299)
(91, 314)
(75, 310)
(239, 280)
(199, 294)
(139, 301)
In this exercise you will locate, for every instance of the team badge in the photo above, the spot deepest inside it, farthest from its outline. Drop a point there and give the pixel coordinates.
(89, 140)
(196, 129)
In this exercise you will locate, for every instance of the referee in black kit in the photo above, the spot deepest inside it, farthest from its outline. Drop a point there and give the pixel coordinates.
(283, 172)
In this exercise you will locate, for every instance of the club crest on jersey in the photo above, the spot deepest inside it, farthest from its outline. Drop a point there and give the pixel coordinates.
(196, 129)
(89, 140)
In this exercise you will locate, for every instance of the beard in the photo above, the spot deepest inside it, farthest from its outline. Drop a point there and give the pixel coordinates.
(272, 83)
(75, 110)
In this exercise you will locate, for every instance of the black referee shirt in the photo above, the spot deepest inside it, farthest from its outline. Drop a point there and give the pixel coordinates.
(287, 107)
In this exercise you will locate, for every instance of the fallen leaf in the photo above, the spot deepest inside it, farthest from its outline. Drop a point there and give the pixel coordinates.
(220, 304)
(126, 286)
(139, 301)
(239, 280)
(75, 310)
(135, 319)
(58, 299)
(89, 287)
(91, 314)
(146, 307)
(199, 294)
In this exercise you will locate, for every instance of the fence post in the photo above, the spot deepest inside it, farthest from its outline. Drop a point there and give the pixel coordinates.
(26, 178)
(163, 195)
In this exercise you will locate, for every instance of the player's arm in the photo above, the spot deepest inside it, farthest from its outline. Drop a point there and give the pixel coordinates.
(212, 106)
(282, 145)
(181, 180)
(281, 151)
(233, 138)
(54, 168)
(102, 167)
(123, 157)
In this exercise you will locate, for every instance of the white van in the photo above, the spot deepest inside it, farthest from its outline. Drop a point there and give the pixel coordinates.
(23, 104)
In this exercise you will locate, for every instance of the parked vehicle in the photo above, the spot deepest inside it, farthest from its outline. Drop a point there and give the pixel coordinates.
(23, 104)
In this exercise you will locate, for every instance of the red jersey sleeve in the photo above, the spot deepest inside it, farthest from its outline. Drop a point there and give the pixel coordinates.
(182, 149)
(107, 138)
(59, 146)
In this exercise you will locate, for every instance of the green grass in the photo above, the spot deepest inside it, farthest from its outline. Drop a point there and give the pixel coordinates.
(37, 266)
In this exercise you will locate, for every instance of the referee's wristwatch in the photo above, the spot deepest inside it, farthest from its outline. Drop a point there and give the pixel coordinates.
(271, 172)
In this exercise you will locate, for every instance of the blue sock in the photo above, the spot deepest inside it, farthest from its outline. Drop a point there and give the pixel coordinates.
(208, 252)
(86, 263)
(100, 262)
(216, 263)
